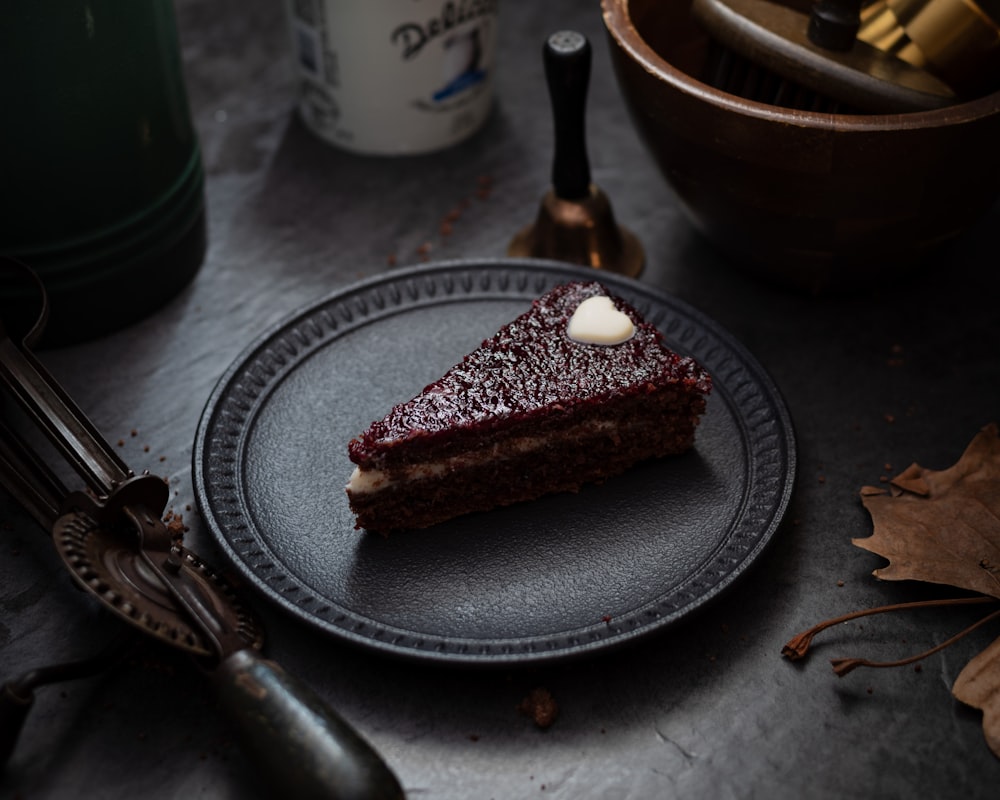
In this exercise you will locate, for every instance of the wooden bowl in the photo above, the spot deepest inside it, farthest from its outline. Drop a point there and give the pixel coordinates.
(809, 200)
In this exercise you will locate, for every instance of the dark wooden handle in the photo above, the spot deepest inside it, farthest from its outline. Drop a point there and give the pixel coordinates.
(567, 58)
(301, 746)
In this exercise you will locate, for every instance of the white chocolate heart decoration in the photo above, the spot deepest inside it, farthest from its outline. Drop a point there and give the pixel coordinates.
(597, 321)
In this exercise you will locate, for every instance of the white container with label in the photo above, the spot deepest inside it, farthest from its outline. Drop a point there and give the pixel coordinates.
(394, 77)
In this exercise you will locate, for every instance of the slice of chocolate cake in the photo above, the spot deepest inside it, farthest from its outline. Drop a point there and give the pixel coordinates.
(575, 390)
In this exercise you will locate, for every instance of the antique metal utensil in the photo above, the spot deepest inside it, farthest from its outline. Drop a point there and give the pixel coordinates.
(116, 545)
(772, 53)
(575, 222)
(956, 40)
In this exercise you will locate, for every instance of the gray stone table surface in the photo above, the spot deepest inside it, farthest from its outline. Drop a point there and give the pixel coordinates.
(707, 709)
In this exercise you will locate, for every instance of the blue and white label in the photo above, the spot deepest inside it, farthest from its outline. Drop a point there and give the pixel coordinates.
(394, 76)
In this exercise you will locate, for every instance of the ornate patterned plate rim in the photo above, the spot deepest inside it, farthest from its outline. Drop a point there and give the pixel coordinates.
(231, 412)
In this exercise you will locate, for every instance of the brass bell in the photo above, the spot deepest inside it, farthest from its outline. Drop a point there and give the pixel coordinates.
(575, 222)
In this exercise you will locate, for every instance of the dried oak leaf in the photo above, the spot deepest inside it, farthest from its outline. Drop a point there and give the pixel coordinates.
(942, 526)
(978, 685)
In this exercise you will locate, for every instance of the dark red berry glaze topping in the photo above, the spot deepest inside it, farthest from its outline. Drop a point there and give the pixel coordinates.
(531, 369)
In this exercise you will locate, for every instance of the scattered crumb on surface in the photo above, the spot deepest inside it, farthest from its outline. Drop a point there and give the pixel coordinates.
(175, 524)
(541, 706)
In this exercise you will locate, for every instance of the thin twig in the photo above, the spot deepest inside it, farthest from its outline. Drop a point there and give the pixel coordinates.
(842, 666)
(798, 646)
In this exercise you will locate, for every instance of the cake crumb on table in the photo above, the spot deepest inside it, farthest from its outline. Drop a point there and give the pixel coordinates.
(541, 706)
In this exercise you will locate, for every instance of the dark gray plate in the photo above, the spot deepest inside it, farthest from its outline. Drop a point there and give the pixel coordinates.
(564, 575)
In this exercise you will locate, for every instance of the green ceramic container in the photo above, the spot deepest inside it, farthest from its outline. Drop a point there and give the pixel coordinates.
(99, 161)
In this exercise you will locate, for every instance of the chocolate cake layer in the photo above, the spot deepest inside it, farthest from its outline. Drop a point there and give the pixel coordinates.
(531, 411)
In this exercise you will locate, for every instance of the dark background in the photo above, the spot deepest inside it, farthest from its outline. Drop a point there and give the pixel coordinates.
(874, 380)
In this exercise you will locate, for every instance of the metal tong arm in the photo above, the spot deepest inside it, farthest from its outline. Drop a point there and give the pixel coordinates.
(60, 418)
(298, 742)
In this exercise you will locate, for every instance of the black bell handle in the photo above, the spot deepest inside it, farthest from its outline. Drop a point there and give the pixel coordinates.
(567, 57)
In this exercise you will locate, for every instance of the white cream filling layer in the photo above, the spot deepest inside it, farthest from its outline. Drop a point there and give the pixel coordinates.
(368, 481)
